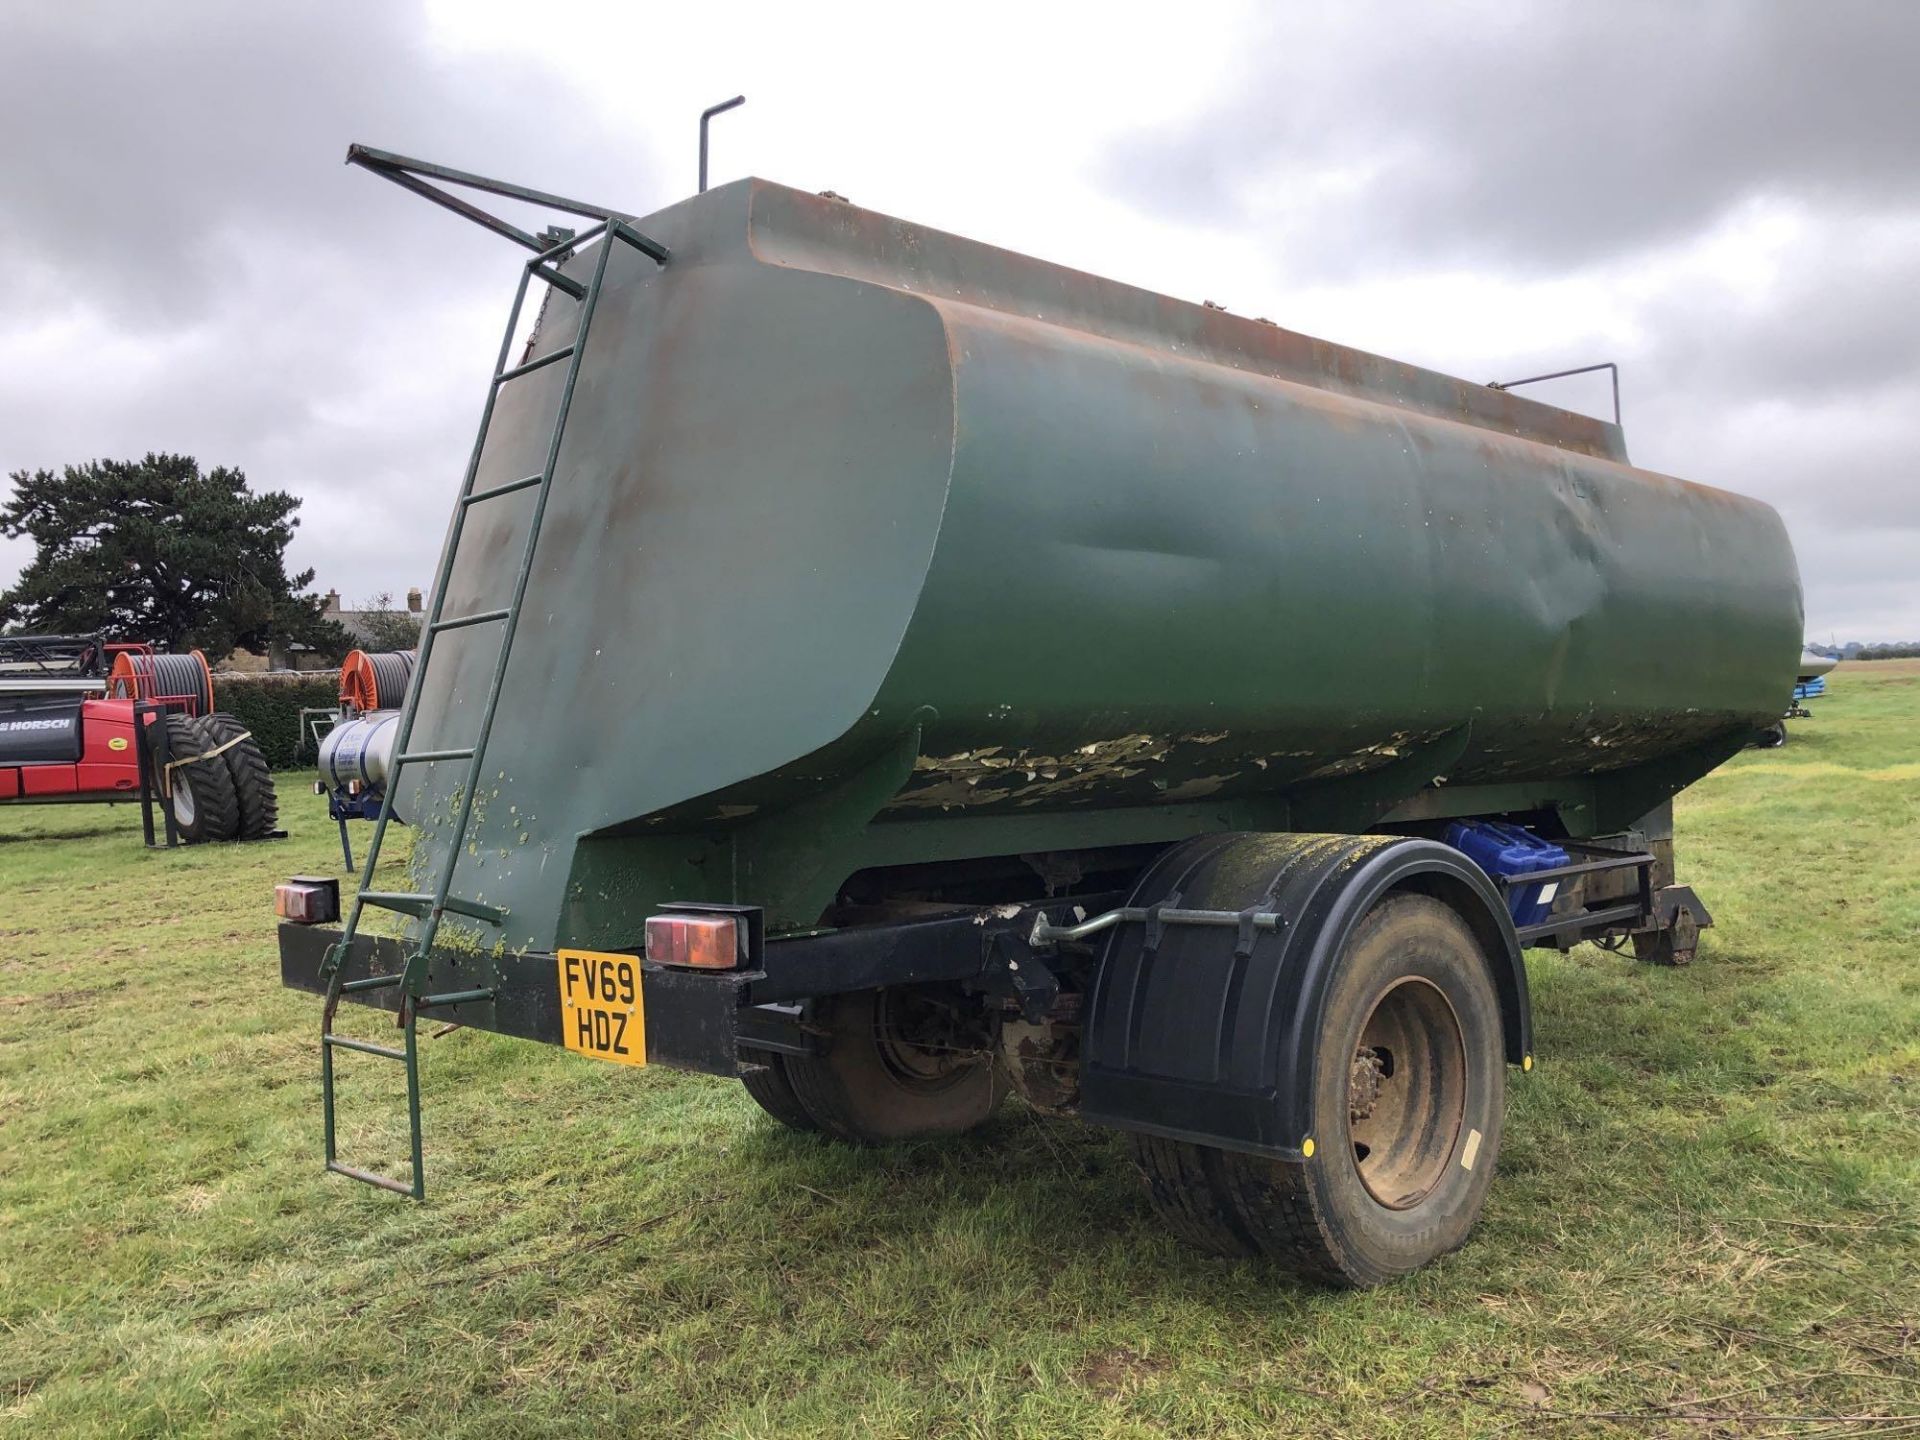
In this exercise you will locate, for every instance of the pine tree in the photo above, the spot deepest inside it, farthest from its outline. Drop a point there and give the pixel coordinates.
(155, 550)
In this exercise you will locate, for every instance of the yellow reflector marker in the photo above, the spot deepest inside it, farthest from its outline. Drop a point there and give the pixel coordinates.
(1306, 1147)
(119, 742)
(1526, 1062)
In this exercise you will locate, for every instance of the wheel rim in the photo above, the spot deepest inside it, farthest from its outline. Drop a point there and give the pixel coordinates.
(183, 806)
(921, 1042)
(1407, 1093)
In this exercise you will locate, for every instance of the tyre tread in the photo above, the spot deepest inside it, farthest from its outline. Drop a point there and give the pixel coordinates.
(216, 806)
(772, 1090)
(252, 780)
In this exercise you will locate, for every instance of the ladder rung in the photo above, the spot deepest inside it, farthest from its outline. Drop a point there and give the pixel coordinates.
(421, 757)
(496, 490)
(538, 364)
(353, 1172)
(408, 903)
(454, 997)
(460, 622)
(373, 982)
(365, 1047)
(399, 900)
(558, 281)
(474, 910)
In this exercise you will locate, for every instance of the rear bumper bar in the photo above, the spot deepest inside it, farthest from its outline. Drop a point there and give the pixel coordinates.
(713, 1021)
(691, 1016)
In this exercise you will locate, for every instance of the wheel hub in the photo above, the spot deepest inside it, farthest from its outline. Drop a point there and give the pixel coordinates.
(922, 1041)
(1407, 1093)
(1363, 1084)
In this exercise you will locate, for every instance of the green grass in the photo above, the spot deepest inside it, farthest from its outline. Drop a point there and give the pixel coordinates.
(1707, 1203)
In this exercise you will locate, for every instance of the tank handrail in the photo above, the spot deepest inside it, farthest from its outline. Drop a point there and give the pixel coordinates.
(1563, 374)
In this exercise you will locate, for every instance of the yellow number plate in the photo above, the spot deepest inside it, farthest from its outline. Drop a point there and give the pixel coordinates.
(602, 1011)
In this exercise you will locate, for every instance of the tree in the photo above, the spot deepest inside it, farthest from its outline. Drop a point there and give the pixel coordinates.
(384, 628)
(155, 550)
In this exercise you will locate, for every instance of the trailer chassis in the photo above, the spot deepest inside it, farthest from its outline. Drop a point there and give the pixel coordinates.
(1017, 955)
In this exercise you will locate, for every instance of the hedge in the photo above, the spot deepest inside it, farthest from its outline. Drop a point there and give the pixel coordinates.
(269, 705)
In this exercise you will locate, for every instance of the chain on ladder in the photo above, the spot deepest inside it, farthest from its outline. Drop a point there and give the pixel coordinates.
(429, 907)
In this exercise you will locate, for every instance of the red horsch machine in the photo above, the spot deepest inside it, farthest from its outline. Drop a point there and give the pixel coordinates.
(83, 720)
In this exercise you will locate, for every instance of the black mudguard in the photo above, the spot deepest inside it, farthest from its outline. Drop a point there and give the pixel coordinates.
(1198, 1033)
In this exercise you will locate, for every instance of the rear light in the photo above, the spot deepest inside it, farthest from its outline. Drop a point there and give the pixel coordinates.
(708, 942)
(307, 899)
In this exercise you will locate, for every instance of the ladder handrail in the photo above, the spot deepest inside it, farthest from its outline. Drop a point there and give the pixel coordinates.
(406, 172)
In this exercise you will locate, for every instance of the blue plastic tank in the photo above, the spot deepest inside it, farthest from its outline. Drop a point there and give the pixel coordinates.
(1511, 850)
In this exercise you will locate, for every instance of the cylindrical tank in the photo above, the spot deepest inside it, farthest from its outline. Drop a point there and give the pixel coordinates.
(360, 751)
(830, 480)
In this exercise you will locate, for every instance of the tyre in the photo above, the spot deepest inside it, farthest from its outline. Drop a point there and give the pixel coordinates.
(247, 767)
(772, 1091)
(200, 794)
(900, 1064)
(1409, 1088)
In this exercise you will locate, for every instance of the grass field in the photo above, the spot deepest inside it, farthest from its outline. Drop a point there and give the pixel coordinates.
(1707, 1220)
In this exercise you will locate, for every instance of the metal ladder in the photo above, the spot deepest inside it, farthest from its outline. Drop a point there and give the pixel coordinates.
(429, 907)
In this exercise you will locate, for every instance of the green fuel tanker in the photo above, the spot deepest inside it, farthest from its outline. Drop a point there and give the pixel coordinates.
(889, 669)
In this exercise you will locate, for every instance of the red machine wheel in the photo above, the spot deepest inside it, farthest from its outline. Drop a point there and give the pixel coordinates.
(247, 767)
(200, 793)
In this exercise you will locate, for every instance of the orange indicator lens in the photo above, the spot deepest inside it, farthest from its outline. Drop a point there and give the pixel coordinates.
(709, 942)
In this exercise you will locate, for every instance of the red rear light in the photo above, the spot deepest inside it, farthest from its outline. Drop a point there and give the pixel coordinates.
(307, 900)
(709, 942)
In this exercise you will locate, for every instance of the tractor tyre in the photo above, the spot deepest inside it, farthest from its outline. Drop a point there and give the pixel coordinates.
(899, 1064)
(252, 780)
(200, 793)
(772, 1090)
(1409, 1087)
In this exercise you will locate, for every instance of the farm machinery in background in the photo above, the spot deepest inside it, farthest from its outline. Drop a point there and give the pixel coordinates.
(86, 721)
(1810, 683)
(356, 754)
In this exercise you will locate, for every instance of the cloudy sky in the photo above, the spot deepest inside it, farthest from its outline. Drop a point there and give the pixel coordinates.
(1723, 197)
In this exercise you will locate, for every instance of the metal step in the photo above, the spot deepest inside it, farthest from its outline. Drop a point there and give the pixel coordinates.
(364, 1047)
(538, 363)
(493, 491)
(478, 617)
(421, 906)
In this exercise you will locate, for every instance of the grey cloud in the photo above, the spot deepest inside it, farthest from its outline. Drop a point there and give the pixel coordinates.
(1542, 136)
(192, 267)
(1600, 141)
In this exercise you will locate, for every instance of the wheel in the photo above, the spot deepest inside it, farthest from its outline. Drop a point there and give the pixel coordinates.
(200, 794)
(252, 781)
(1773, 737)
(900, 1064)
(1409, 1087)
(772, 1090)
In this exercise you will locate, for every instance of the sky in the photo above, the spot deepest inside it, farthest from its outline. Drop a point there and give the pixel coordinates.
(1722, 196)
